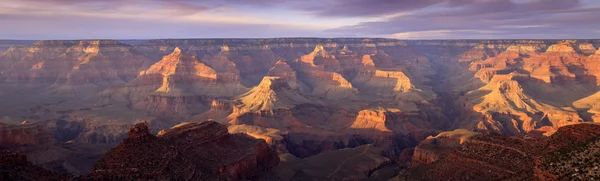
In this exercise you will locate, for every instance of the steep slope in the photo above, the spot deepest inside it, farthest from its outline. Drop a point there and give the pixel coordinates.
(68, 65)
(190, 151)
(178, 85)
(320, 70)
(383, 82)
(345, 164)
(586, 48)
(25, 135)
(62, 76)
(589, 105)
(270, 104)
(244, 63)
(566, 155)
(513, 111)
(393, 120)
(332, 93)
(272, 93)
(375, 84)
(284, 70)
(525, 87)
(14, 166)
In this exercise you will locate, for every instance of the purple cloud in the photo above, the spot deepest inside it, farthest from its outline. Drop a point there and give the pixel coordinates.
(266, 18)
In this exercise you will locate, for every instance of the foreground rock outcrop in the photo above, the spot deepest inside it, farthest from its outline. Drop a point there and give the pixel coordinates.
(14, 166)
(569, 154)
(190, 151)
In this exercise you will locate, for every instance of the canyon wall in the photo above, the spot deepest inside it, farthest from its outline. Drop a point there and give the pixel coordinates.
(313, 95)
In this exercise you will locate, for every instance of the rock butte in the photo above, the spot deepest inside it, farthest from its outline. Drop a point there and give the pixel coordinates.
(272, 93)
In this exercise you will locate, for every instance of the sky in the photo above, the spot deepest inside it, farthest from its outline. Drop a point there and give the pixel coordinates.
(401, 19)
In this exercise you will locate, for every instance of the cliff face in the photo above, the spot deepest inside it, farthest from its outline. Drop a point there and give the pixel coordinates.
(515, 87)
(393, 120)
(272, 93)
(178, 85)
(527, 158)
(70, 63)
(435, 148)
(25, 135)
(190, 151)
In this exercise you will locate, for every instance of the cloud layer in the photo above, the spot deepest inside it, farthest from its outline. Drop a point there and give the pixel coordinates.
(405, 19)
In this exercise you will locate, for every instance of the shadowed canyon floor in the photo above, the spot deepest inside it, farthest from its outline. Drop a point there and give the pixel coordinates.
(367, 106)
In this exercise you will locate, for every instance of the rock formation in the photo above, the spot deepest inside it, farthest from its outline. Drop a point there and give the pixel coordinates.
(586, 48)
(320, 70)
(273, 137)
(14, 166)
(189, 151)
(67, 65)
(567, 154)
(284, 70)
(178, 85)
(565, 47)
(345, 164)
(272, 93)
(512, 93)
(25, 135)
(393, 120)
(434, 148)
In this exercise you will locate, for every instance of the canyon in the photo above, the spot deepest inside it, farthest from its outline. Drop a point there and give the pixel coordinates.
(400, 109)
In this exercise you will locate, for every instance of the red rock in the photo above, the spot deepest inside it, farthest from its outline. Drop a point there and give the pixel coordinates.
(25, 135)
(14, 166)
(61, 63)
(190, 151)
(486, 157)
(177, 86)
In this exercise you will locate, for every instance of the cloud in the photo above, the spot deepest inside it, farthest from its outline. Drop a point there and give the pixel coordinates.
(355, 8)
(488, 18)
(77, 26)
(107, 6)
(443, 34)
(406, 19)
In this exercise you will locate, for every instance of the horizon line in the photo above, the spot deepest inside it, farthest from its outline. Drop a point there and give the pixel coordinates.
(224, 38)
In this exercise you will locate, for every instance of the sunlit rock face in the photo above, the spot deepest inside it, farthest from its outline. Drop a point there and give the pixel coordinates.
(178, 85)
(587, 48)
(512, 86)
